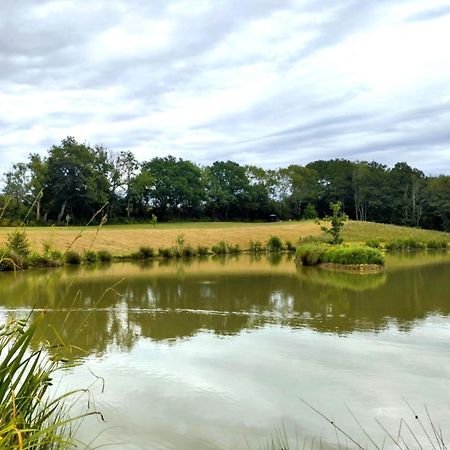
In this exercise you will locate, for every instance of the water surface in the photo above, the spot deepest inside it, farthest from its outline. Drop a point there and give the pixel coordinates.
(218, 352)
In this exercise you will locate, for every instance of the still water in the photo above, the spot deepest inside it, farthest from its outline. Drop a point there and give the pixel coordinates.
(219, 353)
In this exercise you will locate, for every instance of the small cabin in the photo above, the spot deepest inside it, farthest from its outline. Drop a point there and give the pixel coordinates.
(273, 218)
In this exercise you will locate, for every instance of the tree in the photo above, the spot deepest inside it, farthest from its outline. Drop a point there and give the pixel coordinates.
(77, 180)
(227, 190)
(176, 190)
(337, 221)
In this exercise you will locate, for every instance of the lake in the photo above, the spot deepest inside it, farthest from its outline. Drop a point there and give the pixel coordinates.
(221, 353)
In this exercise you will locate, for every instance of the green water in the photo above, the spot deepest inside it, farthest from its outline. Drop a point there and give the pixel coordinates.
(218, 353)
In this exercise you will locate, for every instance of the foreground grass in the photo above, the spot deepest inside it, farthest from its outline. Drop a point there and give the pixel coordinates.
(124, 239)
(29, 418)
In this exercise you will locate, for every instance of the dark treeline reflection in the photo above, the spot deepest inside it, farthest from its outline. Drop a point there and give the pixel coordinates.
(92, 311)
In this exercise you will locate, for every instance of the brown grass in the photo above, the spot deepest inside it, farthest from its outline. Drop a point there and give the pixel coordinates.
(123, 240)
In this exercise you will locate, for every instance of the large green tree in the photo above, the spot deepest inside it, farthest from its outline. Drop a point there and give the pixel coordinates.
(77, 181)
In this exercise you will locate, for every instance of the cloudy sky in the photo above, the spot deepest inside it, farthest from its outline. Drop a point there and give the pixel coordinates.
(267, 82)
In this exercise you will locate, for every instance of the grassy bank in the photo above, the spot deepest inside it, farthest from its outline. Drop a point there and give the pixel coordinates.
(121, 240)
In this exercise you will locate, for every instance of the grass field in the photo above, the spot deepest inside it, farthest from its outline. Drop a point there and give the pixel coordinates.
(124, 239)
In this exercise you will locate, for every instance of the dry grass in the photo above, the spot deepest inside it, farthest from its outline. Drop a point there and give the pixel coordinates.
(125, 239)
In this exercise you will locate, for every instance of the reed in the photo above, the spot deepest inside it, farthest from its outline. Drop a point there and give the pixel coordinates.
(29, 417)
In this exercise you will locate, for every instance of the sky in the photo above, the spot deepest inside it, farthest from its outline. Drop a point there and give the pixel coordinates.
(264, 82)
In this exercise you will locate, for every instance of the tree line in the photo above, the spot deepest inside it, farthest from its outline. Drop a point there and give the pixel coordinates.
(75, 180)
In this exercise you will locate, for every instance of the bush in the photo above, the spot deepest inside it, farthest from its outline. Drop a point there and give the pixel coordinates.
(310, 254)
(255, 247)
(10, 260)
(374, 243)
(146, 252)
(220, 249)
(166, 252)
(290, 247)
(90, 257)
(202, 251)
(234, 249)
(44, 260)
(437, 243)
(353, 255)
(18, 242)
(72, 257)
(188, 250)
(104, 256)
(274, 244)
(405, 244)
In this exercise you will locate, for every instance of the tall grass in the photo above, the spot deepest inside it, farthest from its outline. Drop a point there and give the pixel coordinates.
(312, 255)
(29, 417)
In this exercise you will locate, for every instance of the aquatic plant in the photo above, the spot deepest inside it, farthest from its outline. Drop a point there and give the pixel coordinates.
(255, 247)
(104, 256)
(72, 257)
(29, 417)
(202, 250)
(312, 255)
(89, 257)
(274, 244)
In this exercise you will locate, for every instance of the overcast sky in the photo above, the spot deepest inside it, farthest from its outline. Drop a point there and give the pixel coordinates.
(266, 82)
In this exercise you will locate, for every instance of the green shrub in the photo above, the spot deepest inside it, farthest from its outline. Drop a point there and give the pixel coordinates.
(220, 249)
(353, 255)
(188, 250)
(437, 243)
(290, 247)
(72, 257)
(405, 244)
(104, 256)
(166, 252)
(10, 260)
(146, 252)
(89, 257)
(255, 247)
(310, 254)
(44, 260)
(234, 249)
(274, 244)
(202, 251)
(374, 243)
(18, 242)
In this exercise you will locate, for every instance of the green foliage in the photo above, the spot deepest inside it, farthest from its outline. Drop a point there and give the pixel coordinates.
(405, 244)
(188, 250)
(146, 252)
(10, 261)
(45, 260)
(437, 243)
(337, 221)
(90, 257)
(311, 255)
(202, 250)
(255, 247)
(18, 242)
(290, 247)
(28, 419)
(154, 220)
(374, 243)
(353, 255)
(220, 249)
(166, 252)
(72, 257)
(274, 244)
(310, 212)
(104, 256)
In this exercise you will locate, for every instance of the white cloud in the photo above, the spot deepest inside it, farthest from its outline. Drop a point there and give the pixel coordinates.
(266, 82)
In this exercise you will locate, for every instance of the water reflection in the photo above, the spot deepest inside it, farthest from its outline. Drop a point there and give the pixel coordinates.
(172, 300)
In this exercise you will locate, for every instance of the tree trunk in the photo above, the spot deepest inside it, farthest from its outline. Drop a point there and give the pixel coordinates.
(61, 213)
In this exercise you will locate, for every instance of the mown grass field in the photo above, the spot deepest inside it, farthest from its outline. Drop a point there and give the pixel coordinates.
(125, 239)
